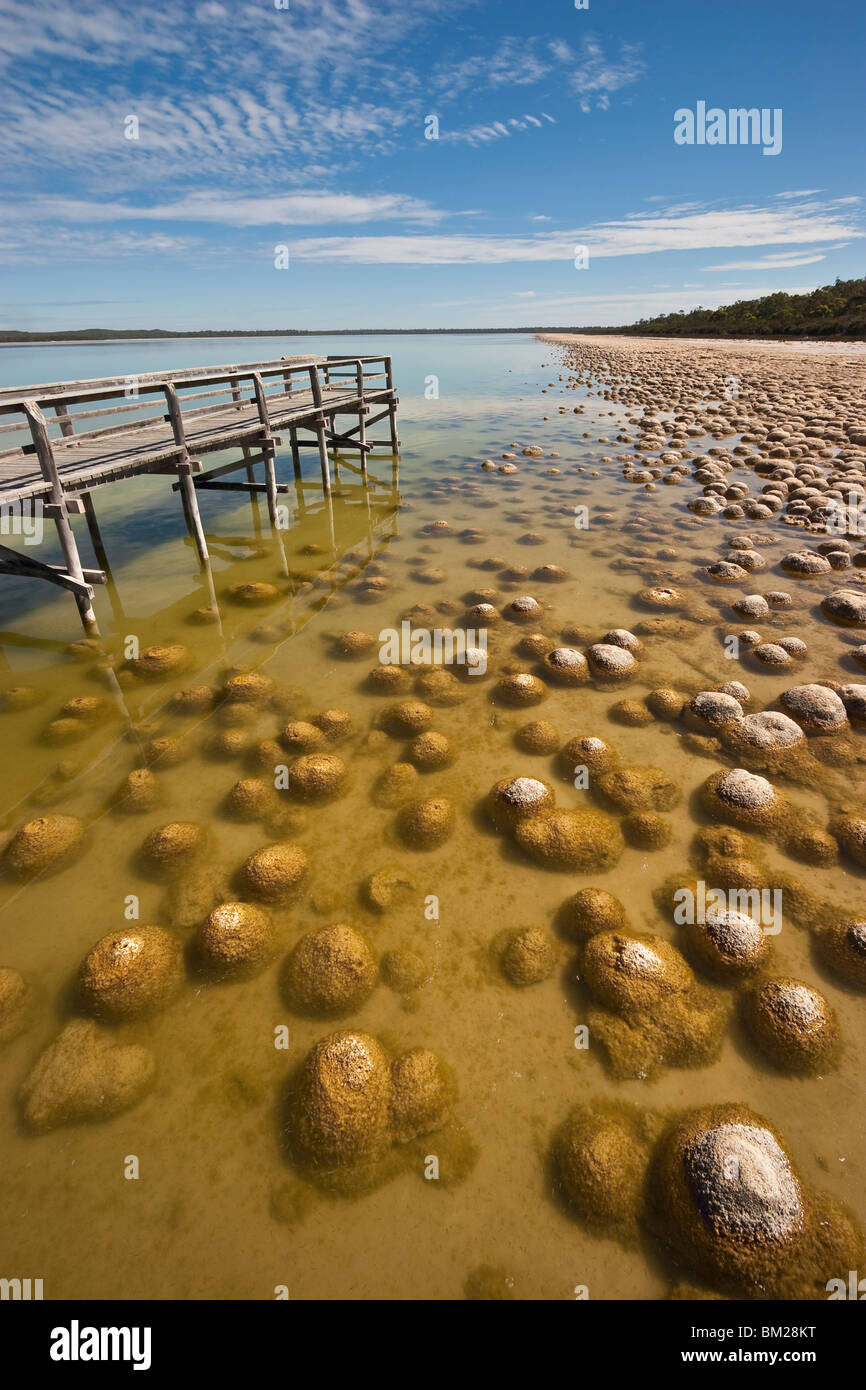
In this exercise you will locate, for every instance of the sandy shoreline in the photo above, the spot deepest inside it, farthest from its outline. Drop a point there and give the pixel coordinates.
(770, 347)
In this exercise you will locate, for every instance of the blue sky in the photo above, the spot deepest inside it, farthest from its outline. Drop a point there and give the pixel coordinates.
(304, 126)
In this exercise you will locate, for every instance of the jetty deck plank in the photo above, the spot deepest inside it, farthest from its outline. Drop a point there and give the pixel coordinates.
(87, 462)
(51, 458)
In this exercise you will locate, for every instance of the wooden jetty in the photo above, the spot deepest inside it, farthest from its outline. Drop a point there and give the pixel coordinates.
(55, 465)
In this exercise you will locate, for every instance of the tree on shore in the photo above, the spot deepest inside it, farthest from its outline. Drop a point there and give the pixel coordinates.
(833, 311)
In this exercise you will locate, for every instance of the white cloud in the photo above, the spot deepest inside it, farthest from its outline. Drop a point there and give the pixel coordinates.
(516, 62)
(598, 76)
(194, 134)
(31, 246)
(639, 235)
(612, 308)
(495, 130)
(301, 208)
(784, 260)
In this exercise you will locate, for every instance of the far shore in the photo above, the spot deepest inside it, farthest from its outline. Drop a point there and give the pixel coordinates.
(855, 347)
(559, 335)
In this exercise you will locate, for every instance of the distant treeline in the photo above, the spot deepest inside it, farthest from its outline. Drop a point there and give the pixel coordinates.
(833, 311)
(78, 335)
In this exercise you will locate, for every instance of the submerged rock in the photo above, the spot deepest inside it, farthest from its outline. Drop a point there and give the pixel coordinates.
(519, 690)
(666, 703)
(131, 974)
(611, 663)
(274, 872)
(84, 1075)
(154, 663)
(403, 971)
(489, 1284)
(329, 972)
(742, 798)
(396, 784)
(815, 707)
(299, 736)
(633, 971)
(354, 644)
(850, 832)
(601, 1159)
(341, 1104)
(651, 1012)
(407, 717)
(16, 998)
(47, 842)
(249, 688)
(565, 666)
(590, 911)
(524, 609)
(317, 776)
(430, 751)
(638, 789)
(714, 708)
(428, 823)
(846, 607)
(174, 847)
(792, 1024)
(254, 594)
(422, 1089)
(842, 948)
(853, 697)
(529, 957)
(540, 737)
(140, 791)
(726, 1194)
(646, 830)
(586, 751)
(727, 943)
(236, 940)
(571, 840)
(768, 732)
(251, 798)
(382, 887)
(515, 798)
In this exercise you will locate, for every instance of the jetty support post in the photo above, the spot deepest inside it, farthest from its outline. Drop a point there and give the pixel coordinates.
(362, 417)
(392, 406)
(319, 427)
(254, 496)
(102, 556)
(184, 472)
(268, 449)
(296, 468)
(59, 508)
(287, 378)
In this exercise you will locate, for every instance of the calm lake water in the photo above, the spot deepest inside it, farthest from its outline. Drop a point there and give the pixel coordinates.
(209, 1216)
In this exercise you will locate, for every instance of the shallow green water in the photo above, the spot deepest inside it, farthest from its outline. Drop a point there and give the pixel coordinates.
(203, 1218)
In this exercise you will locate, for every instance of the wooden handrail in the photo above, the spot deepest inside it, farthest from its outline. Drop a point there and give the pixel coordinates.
(271, 382)
(107, 388)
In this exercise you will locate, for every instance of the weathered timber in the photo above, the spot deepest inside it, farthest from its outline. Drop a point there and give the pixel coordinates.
(56, 464)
